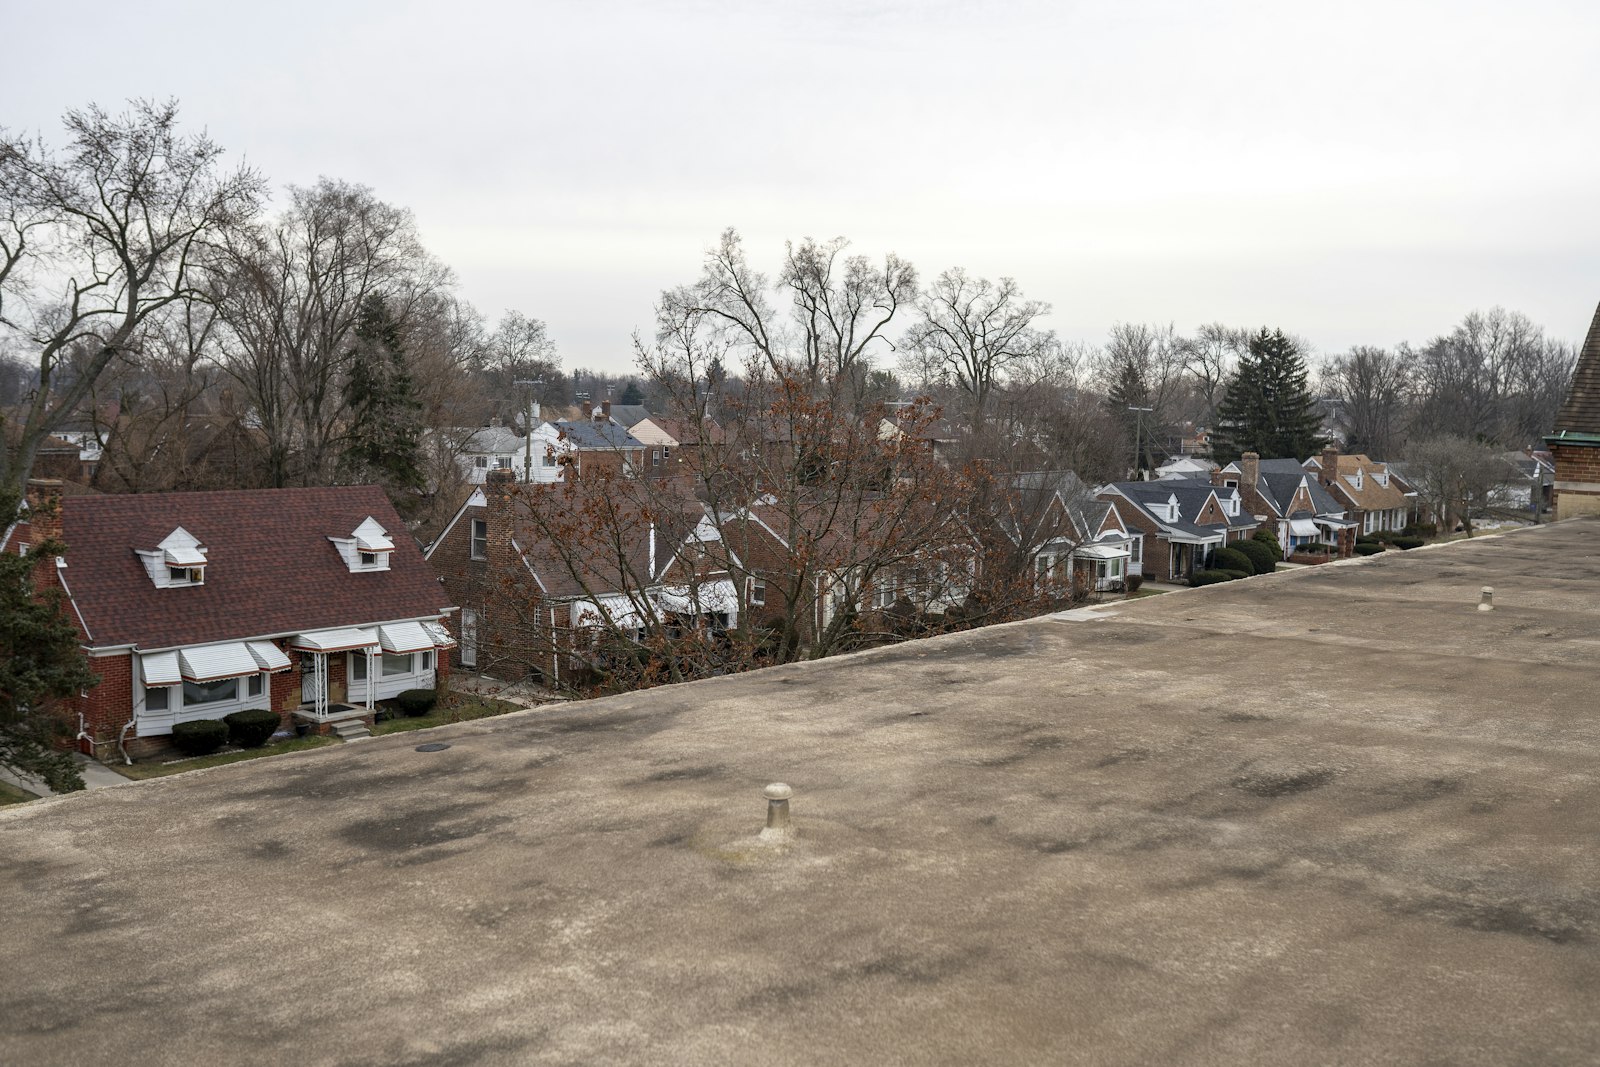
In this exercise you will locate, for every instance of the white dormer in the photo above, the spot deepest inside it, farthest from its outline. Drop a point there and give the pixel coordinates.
(1167, 512)
(178, 561)
(1381, 477)
(367, 548)
(1357, 479)
(1230, 503)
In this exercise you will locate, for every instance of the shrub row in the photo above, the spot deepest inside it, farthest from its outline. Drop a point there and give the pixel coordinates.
(1215, 575)
(1262, 561)
(1406, 542)
(1368, 548)
(251, 728)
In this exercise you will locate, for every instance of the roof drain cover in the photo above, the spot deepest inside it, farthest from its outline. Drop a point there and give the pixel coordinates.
(433, 746)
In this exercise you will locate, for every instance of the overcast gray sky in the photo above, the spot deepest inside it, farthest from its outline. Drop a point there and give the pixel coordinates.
(1353, 172)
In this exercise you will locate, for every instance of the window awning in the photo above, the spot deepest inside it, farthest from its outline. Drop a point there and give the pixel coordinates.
(440, 634)
(400, 637)
(212, 662)
(1335, 524)
(160, 668)
(1303, 528)
(1098, 551)
(268, 656)
(343, 640)
(587, 613)
(183, 556)
(374, 543)
(719, 595)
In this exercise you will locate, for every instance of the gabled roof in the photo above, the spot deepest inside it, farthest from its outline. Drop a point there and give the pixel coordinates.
(569, 559)
(496, 439)
(629, 415)
(1278, 480)
(1191, 495)
(270, 568)
(587, 433)
(1372, 496)
(1580, 412)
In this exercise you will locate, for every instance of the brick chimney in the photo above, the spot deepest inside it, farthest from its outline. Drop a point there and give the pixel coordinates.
(605, 410)
(44, 510)
(1330, 465)
(1249, 469)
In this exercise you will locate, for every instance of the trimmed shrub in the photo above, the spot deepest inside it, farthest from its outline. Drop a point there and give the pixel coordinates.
(1133, 582)
(1268, 538)
(1368, 548)
(1262, 561)
(1406, 542)
(251, 728)
(200, 737)
(1231, 559)
(417, 702)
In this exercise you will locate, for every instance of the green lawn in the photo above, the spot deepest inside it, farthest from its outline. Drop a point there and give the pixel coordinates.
(480, 708)
(10, 794)
(141, 771)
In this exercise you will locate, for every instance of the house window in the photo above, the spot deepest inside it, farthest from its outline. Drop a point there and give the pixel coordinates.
(155, 698)
(655, 457)
(758, 591)
(369, 559)
(427, 660)
(503, 462)
(185, 576)
(1137, 545)
(358, 666)
(217, 692)
(396, 664)
(480, 539)
(666, 454)
(253, 686)
(549, 459)
(481, 462)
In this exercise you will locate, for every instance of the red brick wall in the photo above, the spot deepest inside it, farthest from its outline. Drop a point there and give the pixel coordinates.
(1156, 552)
(1576, 464)
(108, 706)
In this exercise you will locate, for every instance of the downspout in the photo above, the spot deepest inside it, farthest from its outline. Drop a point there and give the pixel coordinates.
(652, 571)
(126, 759)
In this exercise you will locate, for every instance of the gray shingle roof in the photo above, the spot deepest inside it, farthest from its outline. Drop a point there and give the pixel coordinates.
(587, 433)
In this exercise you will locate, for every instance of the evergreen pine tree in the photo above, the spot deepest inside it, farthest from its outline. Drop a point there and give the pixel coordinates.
(632, 394)
(39, 662)
(384, 441)
(1268, 407)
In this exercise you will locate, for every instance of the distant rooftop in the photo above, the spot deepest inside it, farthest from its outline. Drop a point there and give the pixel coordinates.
(1337, 815)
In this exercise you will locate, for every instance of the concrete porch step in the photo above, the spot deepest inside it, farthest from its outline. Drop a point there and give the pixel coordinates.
(351, 730)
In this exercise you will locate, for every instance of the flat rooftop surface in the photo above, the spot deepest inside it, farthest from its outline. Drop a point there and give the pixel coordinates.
(1331, 816)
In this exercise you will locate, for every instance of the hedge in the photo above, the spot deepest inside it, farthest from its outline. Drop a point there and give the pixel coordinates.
(416, 702)
(1368, 548)
(199, 737)
(1262, 561)
(1406, 542)
(1268, 538)
(1212, 577)
(251, 728)
(1231, 559)
(1133, 582)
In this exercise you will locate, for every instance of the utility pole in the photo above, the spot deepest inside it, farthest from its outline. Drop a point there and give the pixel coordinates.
(527, 464)
(1138, 428)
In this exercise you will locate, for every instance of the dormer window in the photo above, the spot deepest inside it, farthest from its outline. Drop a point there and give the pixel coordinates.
(367, 548)
(178, 561)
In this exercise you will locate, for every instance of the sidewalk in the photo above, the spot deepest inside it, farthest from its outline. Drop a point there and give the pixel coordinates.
(95, 776)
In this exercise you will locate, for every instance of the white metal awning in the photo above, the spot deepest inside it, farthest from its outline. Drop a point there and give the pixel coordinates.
(372, 542)
(183, 556)
(211, 662)
(719, 595)
(402, 637)
(1303, 528)
(342, 640)
(440, 634)
(1098, 551)
(160, 668)
(1335, 524)
(588, 613)
(268, 656)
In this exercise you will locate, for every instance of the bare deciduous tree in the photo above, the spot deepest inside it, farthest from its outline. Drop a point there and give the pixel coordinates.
(96, 240)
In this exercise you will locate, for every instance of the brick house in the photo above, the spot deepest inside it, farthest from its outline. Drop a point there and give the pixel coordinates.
(1079, 542)
(1290, 500)
(1575, 442)
(311, 602)
(1374, 497)
(533, 603)
(1176, 524)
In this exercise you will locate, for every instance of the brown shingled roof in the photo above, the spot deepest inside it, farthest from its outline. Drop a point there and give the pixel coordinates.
(271, 568)
(1581, 411)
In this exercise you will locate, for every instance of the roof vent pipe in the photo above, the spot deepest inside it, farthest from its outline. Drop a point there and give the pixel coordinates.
(778, 829)
(1487, 602)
